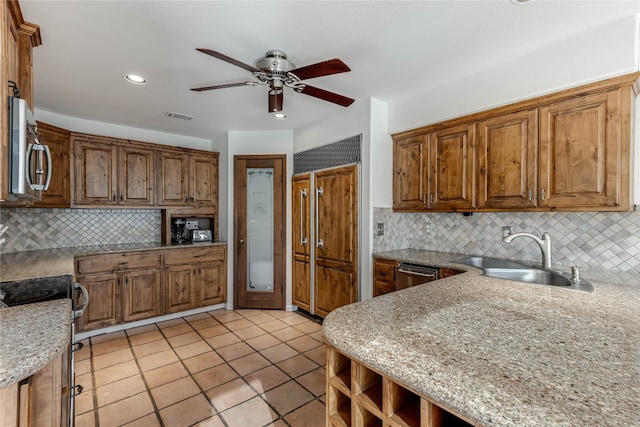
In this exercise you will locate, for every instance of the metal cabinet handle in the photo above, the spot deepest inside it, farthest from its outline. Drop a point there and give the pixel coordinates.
(80, 346)
(241, 241)
(319, 242)
(121, 198)
(303, 238)
(542, 194)
(431, 199)
(79, 389)
(530, 195)
(113, 197)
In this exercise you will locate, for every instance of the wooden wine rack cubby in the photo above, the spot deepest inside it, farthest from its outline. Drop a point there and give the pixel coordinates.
(358, 396)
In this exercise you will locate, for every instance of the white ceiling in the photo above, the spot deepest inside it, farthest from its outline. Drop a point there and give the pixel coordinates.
(393, 48)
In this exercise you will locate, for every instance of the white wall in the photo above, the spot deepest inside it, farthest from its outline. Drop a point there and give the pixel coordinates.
(221, 145)
(118, 131)
(257, 142)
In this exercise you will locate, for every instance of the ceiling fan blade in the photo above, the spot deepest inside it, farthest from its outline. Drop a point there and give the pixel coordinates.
(223, 86)
(229, 60)
(325, 68)
(326, 95)
(275, 100)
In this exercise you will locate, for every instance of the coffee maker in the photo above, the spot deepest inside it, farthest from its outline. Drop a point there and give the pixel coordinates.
(178, 230)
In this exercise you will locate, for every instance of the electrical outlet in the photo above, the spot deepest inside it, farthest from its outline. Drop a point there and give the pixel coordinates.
(506, 231)
(428, 229)
(381, 229)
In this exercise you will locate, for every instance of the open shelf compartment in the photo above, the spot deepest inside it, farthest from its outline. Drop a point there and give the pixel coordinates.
(339, 370)
(403, 406)
(364, 418)
(435, 416)
(339, 408)
(368, 388)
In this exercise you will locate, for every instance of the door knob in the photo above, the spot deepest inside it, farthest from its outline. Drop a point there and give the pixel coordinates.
(241, 241)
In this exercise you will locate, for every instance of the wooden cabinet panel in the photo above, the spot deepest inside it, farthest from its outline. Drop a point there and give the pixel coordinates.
(508, 161)
(173, 176)
(95, 171)
(336, 256)
(580, 152)
(104, 308)
(301, 229)
(179, 288)
(141, 296)
(410, 185)
(203, 181)
(59, 142)
(114, 262)
(136, 176)
(452, 163)
(212, 283)
(448, 272)
(193, 254)
(384, 276)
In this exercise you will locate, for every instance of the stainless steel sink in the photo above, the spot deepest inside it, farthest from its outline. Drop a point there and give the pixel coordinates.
(483, 263)
(529, 275)
(513, 270)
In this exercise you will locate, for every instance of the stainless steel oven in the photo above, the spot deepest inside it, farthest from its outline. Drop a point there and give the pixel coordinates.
(47, 289)
(408, 275)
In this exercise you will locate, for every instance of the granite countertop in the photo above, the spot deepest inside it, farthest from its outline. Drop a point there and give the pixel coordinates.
(31, 336)
(503, 353)
(59, 262)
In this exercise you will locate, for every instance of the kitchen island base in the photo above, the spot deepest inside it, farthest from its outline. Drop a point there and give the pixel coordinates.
(359, 396)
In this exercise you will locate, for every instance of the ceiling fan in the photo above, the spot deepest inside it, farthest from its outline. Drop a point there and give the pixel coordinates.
(277, 71)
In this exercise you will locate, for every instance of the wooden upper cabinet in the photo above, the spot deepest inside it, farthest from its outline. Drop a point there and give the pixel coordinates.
(581, 151)
(508, 160)
(96, 171)
(452, 168)
(173, 178)
(113, 172)
(59, 142)
(187, 179)
(203, 180)
(136, 176)
(410, 185)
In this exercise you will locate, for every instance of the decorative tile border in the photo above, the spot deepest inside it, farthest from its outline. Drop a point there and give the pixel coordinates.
(34, 229)
(608, 240)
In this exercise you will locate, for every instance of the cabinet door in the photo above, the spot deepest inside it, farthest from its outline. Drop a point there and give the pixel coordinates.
(59, 142)
(95, 175)
(173, 176)
(179, 288)
(203, 177)
(137, 174)
(336, 254)
(410, 173)
(105, 305)
(211, 283)
(508, 161)
(301, 195)
(141, 295)
(580, 152)
(452, 168)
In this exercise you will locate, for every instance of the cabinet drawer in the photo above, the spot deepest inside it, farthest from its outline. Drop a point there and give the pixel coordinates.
(382, 288)
(189, 255)
(115, 262)
(384, 270)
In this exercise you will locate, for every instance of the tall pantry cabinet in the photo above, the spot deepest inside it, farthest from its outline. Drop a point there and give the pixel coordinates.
(325, 239)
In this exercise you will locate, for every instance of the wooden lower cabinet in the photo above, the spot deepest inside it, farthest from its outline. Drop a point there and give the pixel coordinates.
(40, 400)
(142, 297)
(384, 276)
(104, 297)
(359, 396)
(130, 286)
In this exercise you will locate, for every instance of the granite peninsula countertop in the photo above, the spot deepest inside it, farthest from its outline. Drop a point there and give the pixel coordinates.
(59, 262)
(31, 336)
(503, 353)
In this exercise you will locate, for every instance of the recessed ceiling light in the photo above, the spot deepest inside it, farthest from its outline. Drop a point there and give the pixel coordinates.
(279, 116)
(519, 2)
(134, 78)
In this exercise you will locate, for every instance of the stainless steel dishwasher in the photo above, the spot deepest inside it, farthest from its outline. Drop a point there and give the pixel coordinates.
(408, 275)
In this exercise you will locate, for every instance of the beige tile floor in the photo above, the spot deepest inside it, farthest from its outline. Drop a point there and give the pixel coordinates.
(240, 368)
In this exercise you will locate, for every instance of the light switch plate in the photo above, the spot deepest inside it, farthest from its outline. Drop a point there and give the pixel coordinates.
(381, 229)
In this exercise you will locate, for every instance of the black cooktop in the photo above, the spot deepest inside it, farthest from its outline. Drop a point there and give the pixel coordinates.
(35, 290)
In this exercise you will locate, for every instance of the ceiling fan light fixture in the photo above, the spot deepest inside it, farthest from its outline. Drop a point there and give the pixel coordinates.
(135, 79)
(280, 116)
(276, 97)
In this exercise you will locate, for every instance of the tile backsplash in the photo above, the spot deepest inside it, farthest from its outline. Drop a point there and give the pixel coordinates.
(586, 239)
(23, 229)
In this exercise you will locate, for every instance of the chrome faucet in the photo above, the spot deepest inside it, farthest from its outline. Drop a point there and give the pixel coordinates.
(544, 243)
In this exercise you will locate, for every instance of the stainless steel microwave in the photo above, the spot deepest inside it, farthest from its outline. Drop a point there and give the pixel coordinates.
(29, 160)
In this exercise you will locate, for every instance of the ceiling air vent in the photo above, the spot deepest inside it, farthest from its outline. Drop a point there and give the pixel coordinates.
(178, 116)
